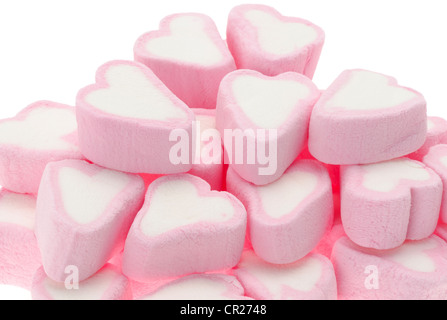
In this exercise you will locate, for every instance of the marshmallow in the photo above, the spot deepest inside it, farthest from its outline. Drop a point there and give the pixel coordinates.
(184, 228)
(289, 217)
(366, 117)
(436, 134)
(188, 54)
(311, 278)
(83, 215)
(385, 203)
(272, 116)
(19, 254)
(107, 284)
(261, 39)
(200, 287)
(208, 163)
(126, 120)
(43, 132)
(436, 159)
(415, 271)
(326, 244)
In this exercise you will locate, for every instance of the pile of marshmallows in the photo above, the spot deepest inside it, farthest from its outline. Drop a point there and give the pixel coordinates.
(143, 191)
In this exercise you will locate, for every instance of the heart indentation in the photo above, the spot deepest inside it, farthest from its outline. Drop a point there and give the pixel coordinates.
(176, 203)
(87, 196)
(131, 94)
(367, 90)
(43, 128)
(386, 176)
(279, 37)
(268, 103)
(188, 42)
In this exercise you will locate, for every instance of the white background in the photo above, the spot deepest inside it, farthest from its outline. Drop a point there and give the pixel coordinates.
(49, 49)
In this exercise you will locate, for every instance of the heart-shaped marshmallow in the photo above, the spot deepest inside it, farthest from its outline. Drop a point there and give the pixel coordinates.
(271, 114)
(126, 120)
(366, 117)
(83, 215)
(19, 254)
(288, 217)
(383, 204)
(436, 159)
(436, 134)
(200, 287)
(208, 163)
(106, 284)
(43, 132)
(188, 54)
(417, 270)
(184, 228)
(311, 278)
(261, 39)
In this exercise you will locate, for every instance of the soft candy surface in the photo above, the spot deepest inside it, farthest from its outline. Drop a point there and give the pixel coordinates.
(19, 253)
(273, 113)
(385, 203)
(366, 117)
(188, 54)
(415, 270)
(288, 217)
(310, 278)
(261, 39)
(129, 109)
(43, 132)
(182, 220)
(83, 215)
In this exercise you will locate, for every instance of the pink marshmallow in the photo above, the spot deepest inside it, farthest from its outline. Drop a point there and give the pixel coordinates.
(209, 156)
(84, 213)
(436, 159)
(200, 287)
(366, 117)
(126, 121)
(188, 54)
(289, 217)
(311, 278)
(43, 132)
(19, 254)
(326, 244)
(385, 203)
(106, 284)
(272, 114)
(184, 228)
(436, 134)
(261, 39)
(415, 271)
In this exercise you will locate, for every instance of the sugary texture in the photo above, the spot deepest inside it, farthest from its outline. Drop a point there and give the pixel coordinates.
(366, 117)
(386, 203)
(84, 213)
(200, 287)
(289, 217)
(188, 54)
(415, 271)
(311, 278)
(106, 284)
(272, 114)
(19, 253)
(261, 39)
(436, 159)
(436, 134)
(126, 121)
(326, 244)
(41, 133)
(209, 162)
(184, 228)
